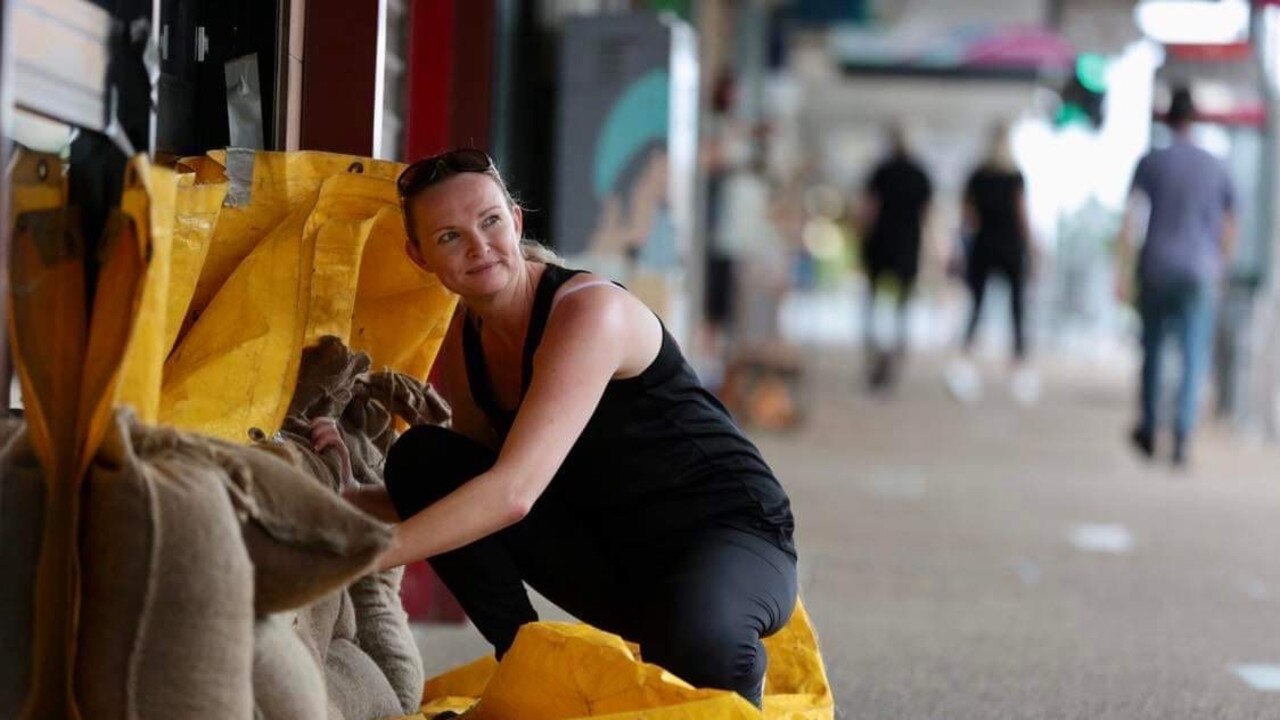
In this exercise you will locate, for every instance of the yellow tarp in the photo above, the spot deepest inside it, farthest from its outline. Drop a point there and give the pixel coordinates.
(68, 356)
(561, 671)
(200, 312)
(401, 312)
(333, 263)
(202, 187)
(150, 206)
(280, 182)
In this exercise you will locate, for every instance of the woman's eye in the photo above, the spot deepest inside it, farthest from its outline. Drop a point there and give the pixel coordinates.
(491, 220)
(447, 237)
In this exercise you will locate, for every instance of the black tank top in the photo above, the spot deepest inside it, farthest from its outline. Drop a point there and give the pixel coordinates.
(660, 455)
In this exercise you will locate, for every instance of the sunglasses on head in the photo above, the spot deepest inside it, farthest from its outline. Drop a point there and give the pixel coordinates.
(437, 167)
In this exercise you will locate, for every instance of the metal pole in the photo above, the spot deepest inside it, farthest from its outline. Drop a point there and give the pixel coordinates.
(6, 122)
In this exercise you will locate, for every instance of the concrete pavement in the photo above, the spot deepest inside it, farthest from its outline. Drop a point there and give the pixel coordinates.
(999, 561)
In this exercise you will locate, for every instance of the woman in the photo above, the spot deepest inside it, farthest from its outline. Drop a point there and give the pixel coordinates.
(890, 219)
(995, 217)
(585, 458)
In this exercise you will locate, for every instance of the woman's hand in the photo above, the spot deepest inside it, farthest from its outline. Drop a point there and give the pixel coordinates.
(325, 435)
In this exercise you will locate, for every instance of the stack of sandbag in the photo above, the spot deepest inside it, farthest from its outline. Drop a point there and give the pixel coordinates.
(198, 559)
(152, 573)
(360, 634)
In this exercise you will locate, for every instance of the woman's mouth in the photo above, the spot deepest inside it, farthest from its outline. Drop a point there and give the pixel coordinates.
(482, 268)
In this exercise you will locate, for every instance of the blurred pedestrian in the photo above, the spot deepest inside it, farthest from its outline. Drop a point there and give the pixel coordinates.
(889, 217)
(1190, 232)
(999, 243)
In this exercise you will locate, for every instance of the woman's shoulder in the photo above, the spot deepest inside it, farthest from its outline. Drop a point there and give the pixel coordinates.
(592, 305)
(591, 293)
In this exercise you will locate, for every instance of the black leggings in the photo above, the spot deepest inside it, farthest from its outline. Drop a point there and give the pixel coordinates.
(1013, 271)
(906, 287)
(698, 604)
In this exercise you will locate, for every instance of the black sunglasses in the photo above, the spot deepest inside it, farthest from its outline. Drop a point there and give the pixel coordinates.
(429, 170)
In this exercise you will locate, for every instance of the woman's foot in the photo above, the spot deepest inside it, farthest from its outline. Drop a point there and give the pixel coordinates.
(1144, 441)
(1025, 385)
(963, 380)
(1180, 451)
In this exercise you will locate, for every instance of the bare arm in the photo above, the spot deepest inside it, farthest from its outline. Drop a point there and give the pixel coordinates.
(587, 341)
(865, 211)
(467, 419)
(1227, 239)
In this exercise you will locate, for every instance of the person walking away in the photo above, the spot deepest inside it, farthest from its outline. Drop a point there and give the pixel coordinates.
(1190, 231)
(889, 219)
(995, 216)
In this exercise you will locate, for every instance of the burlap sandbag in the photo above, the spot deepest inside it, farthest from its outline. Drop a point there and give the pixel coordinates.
(369, 622)
(326, 376)
(334, 382)
(21, 505)
(166, 624)
(357, 683)
(368, 423)
(304, 540)
(382, 631)
(287, 682)
(316, 622)
(357, 687)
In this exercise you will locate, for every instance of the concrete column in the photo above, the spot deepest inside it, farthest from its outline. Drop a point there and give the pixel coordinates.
(1264, 353)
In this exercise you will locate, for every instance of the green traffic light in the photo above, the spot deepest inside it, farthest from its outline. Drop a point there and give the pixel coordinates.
(1091, 71)
(1071, 114)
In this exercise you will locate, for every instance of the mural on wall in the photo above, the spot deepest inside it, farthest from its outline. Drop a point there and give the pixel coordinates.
(612, 197)
(629, 179)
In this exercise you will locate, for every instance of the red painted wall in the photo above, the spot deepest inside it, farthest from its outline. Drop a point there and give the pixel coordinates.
(450, 76)
(339, 59)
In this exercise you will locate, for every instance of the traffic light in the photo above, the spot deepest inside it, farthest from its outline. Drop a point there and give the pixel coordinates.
(1085, 90)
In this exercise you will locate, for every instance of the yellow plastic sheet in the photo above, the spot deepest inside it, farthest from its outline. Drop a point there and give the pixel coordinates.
(796, 685)
(202, 187)
(46, 270)
(559, 671)
(401, 311)
(150, 206)
(345, 215)
(68, 361)
(47, 331)
(236, 367)
(334, 265)
(279, 182)
(124, 257)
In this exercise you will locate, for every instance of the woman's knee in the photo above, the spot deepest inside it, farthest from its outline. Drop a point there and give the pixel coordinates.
(428, 462)
(711, 654)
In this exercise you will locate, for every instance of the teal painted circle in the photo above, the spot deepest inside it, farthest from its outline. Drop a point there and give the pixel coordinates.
(636, 119)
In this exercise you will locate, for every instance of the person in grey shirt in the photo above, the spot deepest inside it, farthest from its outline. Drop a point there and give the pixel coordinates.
(1190, 231)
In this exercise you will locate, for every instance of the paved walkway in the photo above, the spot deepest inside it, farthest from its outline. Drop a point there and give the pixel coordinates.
(1010, 562)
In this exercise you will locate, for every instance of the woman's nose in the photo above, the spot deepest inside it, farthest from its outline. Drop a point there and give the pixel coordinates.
(476, 245)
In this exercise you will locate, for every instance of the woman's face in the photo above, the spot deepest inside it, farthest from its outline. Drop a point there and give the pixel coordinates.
(467, 234)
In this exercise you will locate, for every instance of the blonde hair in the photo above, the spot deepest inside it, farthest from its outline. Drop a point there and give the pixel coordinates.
(537, 252)
(1000, 150)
